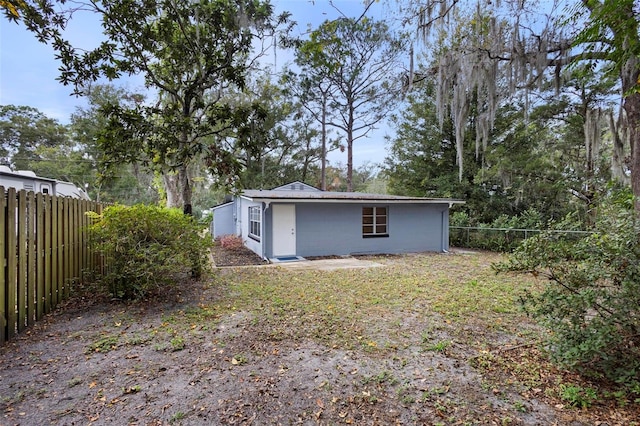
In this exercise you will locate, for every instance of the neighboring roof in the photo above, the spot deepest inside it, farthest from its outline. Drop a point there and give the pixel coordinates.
(296, 186)
(222, 205)
(28, 174)
(260, 195)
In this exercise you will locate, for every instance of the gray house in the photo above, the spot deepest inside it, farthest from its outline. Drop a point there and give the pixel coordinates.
(298, 220)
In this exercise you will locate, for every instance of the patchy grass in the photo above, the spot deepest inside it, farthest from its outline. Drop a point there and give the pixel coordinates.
(103, 344)
(424, 339)
(345, 308)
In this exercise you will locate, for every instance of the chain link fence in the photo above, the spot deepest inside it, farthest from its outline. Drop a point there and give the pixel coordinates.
(499, 239)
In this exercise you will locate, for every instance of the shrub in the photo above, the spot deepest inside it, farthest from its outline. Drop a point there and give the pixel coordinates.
(148, 248)
(231, 242)
(592, 300)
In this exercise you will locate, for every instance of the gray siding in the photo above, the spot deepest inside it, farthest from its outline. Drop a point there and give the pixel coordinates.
(243, 214)
(336, 229)
(223, 223)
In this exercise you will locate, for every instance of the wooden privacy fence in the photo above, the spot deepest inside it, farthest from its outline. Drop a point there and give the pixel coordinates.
(46, 250)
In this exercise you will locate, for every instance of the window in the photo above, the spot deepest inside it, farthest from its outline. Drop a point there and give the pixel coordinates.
(254, 223)
(374, 222)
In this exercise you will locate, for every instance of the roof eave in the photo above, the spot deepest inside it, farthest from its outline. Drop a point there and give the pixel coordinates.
(353, 200)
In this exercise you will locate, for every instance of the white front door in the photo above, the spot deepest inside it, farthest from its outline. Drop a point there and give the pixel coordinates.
(284, 229)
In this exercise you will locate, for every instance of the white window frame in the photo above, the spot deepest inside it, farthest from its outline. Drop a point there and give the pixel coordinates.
(255, 222)
(372, 225)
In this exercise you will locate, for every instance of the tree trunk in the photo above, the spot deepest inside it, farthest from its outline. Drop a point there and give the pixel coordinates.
(185, 189)
(617, 159)
(630, 73)
(350, 151)
(632, 108)
(323, 161)
(170, 181)
(178, 188)
(349, 161)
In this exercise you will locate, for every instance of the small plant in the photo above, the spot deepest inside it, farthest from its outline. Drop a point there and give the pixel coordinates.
(404, 393)
(519, 406)
(578, 396)
(382, 377)
(177, 344)
(137, 339)
(177, 416)
(440, 346)
(131, 389)
(231, 242)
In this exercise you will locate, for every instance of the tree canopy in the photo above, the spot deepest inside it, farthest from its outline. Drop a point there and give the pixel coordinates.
(353, 62)
(189, 54)
(501, 51)
(24, 133)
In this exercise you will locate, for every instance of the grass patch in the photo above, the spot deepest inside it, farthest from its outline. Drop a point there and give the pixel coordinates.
(103, 344)
(343, 307)
(440, 346)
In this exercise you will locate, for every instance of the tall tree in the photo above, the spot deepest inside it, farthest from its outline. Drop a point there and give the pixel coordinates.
(421, 158)
(536, 162)
(313, 89)
(109, 182)
(512, 45)
(284, 149)
(359, 59)
(189, 53)
(22, 130)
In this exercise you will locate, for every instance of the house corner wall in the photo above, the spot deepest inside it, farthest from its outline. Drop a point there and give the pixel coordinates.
(223, 221)
(243, 226)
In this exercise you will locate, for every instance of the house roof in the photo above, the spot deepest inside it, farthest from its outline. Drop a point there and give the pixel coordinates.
(299, 196)
(296, 186)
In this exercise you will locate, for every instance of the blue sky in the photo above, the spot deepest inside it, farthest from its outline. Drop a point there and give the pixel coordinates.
(28, 70)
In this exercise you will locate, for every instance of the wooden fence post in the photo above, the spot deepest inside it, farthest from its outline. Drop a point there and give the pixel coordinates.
(48, 229)
(21, 288)
(41, 253)
(3, 270)
(76, 240)
(59, 247)
(32, 294)
(12, 264)
(55, 230)
(67, 246)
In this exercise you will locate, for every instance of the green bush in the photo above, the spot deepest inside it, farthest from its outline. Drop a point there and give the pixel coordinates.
(148, 248)
(592, 300)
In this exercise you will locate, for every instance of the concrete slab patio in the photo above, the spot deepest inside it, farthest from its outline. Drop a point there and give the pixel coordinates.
(329, 264)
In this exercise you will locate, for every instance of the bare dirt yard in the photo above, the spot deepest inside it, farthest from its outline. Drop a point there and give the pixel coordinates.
(425, 339)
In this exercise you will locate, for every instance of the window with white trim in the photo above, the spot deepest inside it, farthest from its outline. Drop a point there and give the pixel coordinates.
(374, 222)
(254, 223)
